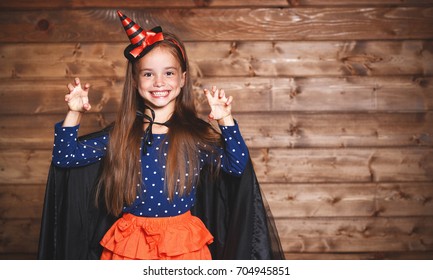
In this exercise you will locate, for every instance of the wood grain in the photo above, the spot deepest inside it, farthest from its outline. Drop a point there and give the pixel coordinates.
(327, 200)
(228, 59)
(314, 94)
(260, 130)
(21, 201)
(19, 236)
(343, 165)
(346, 235)
(50, 4)
(286, 200)
(336, 23)
(425, 255)
(342, 235)
(275, 165)
(334, 99)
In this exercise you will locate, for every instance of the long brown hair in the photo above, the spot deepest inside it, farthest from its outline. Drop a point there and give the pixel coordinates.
(120, 178)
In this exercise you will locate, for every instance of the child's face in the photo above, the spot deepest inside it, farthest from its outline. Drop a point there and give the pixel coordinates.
(160, 78)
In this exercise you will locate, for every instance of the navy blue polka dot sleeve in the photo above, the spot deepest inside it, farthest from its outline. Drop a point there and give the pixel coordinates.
(151, 199)
(234, 156)
(68, 152)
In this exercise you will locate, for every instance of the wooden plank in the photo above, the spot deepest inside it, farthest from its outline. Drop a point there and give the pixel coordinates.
(63, 60)
(15, 130)
(351, 94)
(360, 235)
(336, 235)
(54, 4)
(228, 59)
(21, 202)
(260, 130)
(427, 255)
(349, 199)
(19, 256)
(325, 130)
(401, 199)
(356, 3)
(27, 166)
(355, 94)
(47, 96)
(19, 236)
(275, 165)
(304, 58)
(343, 165)
(285, 200)
(201, 24)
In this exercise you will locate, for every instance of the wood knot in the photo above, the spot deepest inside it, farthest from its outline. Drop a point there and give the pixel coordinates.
(424, 83)
(202, 3)
(233, 48)
(295, 92)
(334, 200)
(427, 200)
(293, 3)
(293, 130)
(43, 25)
(378, 212)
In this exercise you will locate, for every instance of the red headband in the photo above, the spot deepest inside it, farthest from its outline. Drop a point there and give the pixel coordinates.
(178, 45)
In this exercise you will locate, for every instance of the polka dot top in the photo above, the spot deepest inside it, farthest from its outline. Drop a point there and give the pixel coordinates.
(151, 201)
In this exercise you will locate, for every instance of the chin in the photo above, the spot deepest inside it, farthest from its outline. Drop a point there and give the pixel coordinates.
(158, 103)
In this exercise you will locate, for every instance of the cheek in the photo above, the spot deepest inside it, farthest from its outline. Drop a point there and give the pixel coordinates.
(174, 83)
(143, 85)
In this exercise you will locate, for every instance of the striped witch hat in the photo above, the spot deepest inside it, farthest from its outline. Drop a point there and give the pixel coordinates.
(141, 40)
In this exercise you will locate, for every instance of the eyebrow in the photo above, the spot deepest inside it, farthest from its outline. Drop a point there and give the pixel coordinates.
(166, 68)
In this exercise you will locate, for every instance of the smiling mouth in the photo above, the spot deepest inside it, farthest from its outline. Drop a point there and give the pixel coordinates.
(160, 93)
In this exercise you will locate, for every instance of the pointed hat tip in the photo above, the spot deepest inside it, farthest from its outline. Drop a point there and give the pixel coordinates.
(119, 13)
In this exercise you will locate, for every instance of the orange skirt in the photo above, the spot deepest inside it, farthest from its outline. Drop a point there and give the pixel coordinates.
(182, 237)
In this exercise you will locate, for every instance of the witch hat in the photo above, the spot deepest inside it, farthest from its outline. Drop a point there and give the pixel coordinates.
(141, 40)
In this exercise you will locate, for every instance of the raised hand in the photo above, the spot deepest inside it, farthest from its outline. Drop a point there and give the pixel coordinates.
(77, 99)
(220, 104)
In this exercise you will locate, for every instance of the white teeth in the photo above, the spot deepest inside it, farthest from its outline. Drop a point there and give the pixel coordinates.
(160, 93)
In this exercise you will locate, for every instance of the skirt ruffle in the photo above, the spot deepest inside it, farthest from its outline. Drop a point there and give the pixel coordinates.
(180, 237)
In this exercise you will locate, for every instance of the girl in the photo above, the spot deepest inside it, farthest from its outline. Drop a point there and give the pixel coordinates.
(154, 152)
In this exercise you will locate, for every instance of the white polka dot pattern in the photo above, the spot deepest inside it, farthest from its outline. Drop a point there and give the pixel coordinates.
(152, 200)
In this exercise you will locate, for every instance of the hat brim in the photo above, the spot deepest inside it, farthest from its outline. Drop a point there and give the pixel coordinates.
(146, 50)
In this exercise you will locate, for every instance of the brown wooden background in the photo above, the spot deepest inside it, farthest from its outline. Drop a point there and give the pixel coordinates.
(334, 99)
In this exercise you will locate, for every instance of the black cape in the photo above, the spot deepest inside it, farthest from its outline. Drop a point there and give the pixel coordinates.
(232, 208)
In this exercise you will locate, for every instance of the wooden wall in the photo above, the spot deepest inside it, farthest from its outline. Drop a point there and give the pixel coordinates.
(334, 98)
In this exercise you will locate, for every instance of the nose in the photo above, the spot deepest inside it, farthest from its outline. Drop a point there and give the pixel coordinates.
(159, 81)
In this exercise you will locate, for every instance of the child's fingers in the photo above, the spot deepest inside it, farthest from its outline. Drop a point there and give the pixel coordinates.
(215, 93)
(85, 98)
(211, 96)
(86, 86)
(70, 87)
(87, 106)
(229, 100)
(207, 93)
(77, 83)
